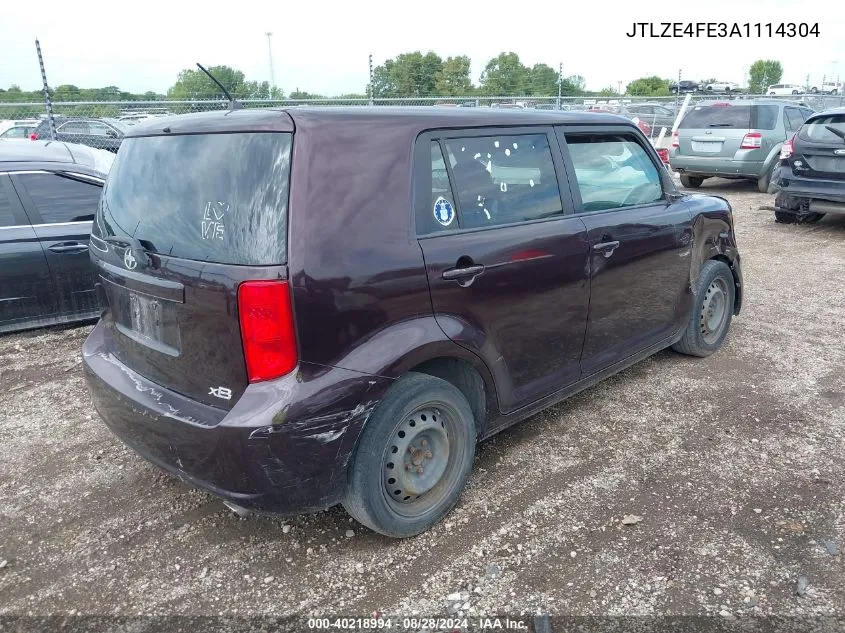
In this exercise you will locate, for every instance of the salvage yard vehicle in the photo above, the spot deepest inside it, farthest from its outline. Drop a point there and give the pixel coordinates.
(811, 178)
(49, 193)
(335, 305)
(104, 134)
(739, 139)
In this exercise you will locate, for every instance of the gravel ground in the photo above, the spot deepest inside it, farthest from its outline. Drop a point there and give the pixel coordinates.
(733, 464)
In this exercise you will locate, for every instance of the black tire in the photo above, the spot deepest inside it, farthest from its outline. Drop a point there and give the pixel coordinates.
(764, 180)
(795, 92)
(422, 422)
(787, 202)
(783, 216)
(691, 182)
(811, 218)
(713, 306)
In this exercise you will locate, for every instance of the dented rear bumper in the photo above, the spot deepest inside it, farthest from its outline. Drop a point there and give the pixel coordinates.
(283, 448)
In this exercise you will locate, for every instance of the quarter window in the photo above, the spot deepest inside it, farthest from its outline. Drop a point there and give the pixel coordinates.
(60, 199)
(613, 171)
(503, 179)
(794, 119)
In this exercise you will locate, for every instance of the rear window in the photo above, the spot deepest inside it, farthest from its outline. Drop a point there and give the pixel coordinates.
(209, 197)
(731, 117)
(824, 129)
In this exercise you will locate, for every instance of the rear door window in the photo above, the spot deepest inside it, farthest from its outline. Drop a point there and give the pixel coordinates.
(60, 199)
(613, 171)
(731, 117)
(7, 217)
(208, 197)
(503, 179)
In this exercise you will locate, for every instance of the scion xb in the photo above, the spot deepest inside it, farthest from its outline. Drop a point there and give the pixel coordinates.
(311, 306)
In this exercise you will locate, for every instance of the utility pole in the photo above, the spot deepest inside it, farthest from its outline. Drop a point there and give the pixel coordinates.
(559, 83)
(370, 84)
(270, 56)
(47, 102)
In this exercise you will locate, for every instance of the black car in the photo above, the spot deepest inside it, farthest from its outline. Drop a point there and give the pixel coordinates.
(49, 193)
(811, 177)
(685, 85)
(99, 133)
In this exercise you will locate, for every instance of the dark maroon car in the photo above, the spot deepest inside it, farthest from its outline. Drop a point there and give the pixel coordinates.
(316, 306)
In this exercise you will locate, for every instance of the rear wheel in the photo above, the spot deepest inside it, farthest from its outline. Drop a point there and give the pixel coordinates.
(764, 180)
(691, 182)
(414, 457)
(713, 308)
(795, 92)
(785, 217)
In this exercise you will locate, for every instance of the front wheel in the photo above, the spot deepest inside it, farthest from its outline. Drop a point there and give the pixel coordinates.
(712, 312)
(766, 179)
(414, 457)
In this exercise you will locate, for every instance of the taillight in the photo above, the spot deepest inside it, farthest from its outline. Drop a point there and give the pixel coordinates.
(33, 137)
(267, 329)
(788, 148)
(663, 152)
(752, 140)
(675, 142)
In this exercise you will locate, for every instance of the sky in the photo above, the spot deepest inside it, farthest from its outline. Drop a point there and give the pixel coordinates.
(323, 47)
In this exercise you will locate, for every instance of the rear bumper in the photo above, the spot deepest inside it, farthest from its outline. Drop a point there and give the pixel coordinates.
(810, 188)
(706, 166)
(283, 448)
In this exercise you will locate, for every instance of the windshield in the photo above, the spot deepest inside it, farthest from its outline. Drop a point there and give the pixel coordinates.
(118, 125)
(208, 197)
(731, 117)
(823, 129)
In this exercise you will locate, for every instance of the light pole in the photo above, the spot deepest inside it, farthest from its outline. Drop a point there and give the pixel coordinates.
(270, 56)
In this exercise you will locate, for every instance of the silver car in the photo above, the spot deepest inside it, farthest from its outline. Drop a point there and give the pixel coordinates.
(738, 139)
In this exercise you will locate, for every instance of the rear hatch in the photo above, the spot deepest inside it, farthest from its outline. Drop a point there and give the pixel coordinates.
(184, 219)
(722, 130)
(820, 148)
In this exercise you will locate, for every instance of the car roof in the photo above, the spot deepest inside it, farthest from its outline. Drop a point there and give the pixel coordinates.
(26, 151)
(413, 117)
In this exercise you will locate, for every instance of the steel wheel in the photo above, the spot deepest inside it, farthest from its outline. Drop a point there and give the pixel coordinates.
(714, 311)
(418, 459)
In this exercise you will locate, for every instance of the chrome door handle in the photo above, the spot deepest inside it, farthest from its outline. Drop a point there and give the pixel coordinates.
(68, 247)
(461, 273)
(606, 248)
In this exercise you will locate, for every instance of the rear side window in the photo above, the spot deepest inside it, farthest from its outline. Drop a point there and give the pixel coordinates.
(209, 197)
(503, 179)
(793, 119)
(731, 117)
(825, 129)
(60, 199)
(613, 171)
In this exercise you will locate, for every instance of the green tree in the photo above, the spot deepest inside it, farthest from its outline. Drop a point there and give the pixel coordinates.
(453, 77)
(407, 75)
(577, 82)
(609, 91)
(300, 94)
(505, 75)
(652, 86)
(195, 84)
(542, 81)
(763, 73)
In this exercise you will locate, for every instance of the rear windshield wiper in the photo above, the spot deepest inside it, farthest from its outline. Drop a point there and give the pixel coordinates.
(836, 131)
(133, 244)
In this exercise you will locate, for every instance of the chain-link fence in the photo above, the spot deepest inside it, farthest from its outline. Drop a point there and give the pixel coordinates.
(102, 124)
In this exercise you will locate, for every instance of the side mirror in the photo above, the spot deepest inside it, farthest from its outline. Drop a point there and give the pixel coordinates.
(111, 134)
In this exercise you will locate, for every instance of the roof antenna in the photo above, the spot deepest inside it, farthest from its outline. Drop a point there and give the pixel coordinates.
(233, 105)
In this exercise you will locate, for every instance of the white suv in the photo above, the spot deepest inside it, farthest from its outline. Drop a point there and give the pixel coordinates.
(784, 89)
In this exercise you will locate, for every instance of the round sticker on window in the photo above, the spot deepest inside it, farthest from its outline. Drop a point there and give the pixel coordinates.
(444, 213)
